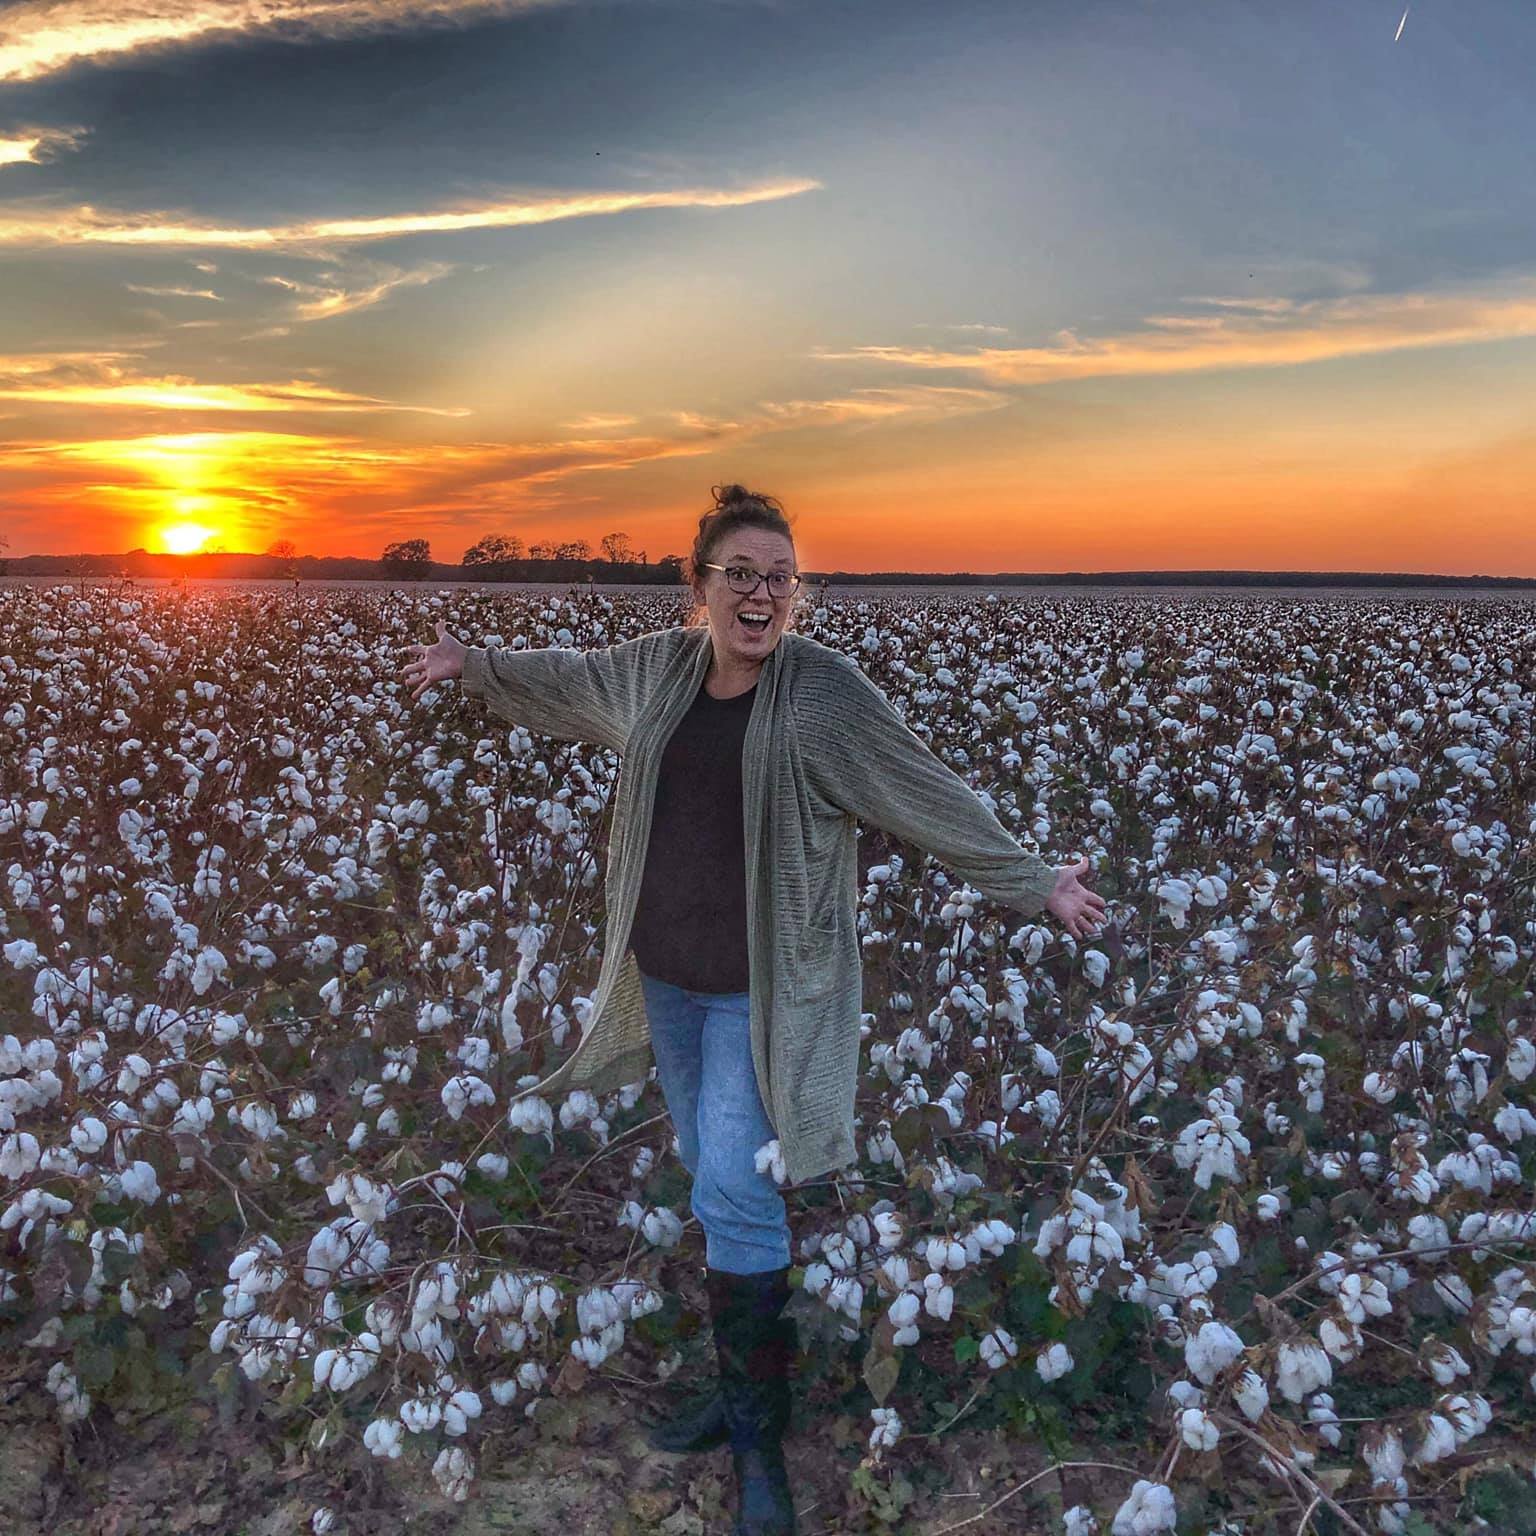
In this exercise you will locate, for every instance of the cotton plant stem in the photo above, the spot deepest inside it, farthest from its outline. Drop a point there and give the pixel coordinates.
(1294, 1471)
(1060, 1466)
(603, 1152)
(933, 1434)
(1493, 1245)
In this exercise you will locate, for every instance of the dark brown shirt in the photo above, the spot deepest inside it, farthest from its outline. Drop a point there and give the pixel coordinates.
(690, 928)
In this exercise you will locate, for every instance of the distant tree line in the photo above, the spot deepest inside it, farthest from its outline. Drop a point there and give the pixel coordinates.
(492, 558)
(497, 557)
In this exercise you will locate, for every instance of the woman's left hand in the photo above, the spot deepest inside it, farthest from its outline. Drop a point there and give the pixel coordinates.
(1080, 910)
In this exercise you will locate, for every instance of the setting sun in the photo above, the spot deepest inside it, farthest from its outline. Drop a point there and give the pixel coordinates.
(185, 538)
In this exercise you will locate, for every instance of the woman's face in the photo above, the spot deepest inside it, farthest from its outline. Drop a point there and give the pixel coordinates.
(737, 643)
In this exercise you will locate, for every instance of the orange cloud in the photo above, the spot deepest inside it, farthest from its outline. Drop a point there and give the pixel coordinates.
(1273, 333)
(76, 379)
(41, 37)
(87, 226)
(255, 480)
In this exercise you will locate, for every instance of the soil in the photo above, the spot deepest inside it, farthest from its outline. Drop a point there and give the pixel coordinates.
(580, 1466)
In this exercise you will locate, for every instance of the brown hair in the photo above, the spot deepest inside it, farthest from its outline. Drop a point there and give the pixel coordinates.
(735, 507)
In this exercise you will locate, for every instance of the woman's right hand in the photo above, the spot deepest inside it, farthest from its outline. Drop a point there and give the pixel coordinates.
(442, 662)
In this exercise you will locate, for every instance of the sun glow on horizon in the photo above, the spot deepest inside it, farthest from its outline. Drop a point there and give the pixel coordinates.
(184, 538)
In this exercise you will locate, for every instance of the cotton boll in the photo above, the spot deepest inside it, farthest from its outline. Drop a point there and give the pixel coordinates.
(1302, 1366)
(452, 1472)
(1454, 1291)
(769, 1159)
(1210, 1349)
(1324, 1419)
(998, 1348)
(384, 1437)
(1148, 1510)
(1079, 1521)
(1437, 1442)
(1443, 1361)
(1224, 1245)
(1054, 1361)
(1198, 1430)
(459, 1409)
(1520, 1061)
(532, 1116)
(1469, 1414)
(938, 1298)
(1429, 1236)
(662, 1228)
(887, 1429)
(816, 1279)
(1382, 1450)
(19, 1154)
(846, 1295)
(1251, 1395)
(139, 1183)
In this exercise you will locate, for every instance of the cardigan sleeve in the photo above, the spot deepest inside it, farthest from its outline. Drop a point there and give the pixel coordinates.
(870, 764)
(570, 695)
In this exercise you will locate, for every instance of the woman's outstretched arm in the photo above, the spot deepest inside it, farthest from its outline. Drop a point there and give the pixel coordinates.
(570, 695)
(865, 759)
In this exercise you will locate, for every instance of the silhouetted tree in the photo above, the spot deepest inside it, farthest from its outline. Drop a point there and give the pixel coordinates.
(409, 558)
(672, 566)
(575, 549)
(543, 550)
(616, 547)
(283, 549)
(492, 548)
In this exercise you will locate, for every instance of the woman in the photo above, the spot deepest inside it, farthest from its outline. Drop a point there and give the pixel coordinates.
(732, 955)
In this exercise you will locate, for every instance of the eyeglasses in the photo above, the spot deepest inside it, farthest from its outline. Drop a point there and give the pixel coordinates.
(743, 579)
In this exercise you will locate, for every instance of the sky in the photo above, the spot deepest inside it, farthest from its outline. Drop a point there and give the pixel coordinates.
(992, 285)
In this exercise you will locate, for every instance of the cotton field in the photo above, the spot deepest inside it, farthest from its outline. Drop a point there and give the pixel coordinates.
(279, 945)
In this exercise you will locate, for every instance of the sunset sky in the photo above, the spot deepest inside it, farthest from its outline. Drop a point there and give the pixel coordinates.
(978, 285)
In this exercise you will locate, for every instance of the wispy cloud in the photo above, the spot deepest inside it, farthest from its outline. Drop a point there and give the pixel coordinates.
(174, 293)
(1242, 333)
(862, 407)
(33, 146)
(599, 423)
(965, 325)
(94, 380)
(340, 293)
(90, 226)
(41, 37)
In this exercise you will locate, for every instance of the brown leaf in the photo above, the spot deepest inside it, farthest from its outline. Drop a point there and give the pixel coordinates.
(880, 1373)
(571, 1376)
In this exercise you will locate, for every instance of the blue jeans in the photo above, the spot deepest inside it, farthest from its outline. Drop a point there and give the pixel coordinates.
(703, 1049)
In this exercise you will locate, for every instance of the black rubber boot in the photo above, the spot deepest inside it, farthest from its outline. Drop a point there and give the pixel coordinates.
(757, 1347)
(693, 1422)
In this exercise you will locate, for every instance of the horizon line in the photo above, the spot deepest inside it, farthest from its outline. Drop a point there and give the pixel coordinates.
(207, 556)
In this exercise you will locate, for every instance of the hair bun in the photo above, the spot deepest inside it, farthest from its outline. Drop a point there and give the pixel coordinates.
(731, 495)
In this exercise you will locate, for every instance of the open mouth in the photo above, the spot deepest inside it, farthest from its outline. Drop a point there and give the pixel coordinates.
(755, 624)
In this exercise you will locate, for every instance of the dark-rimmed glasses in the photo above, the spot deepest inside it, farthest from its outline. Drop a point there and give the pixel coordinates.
(743, 579)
